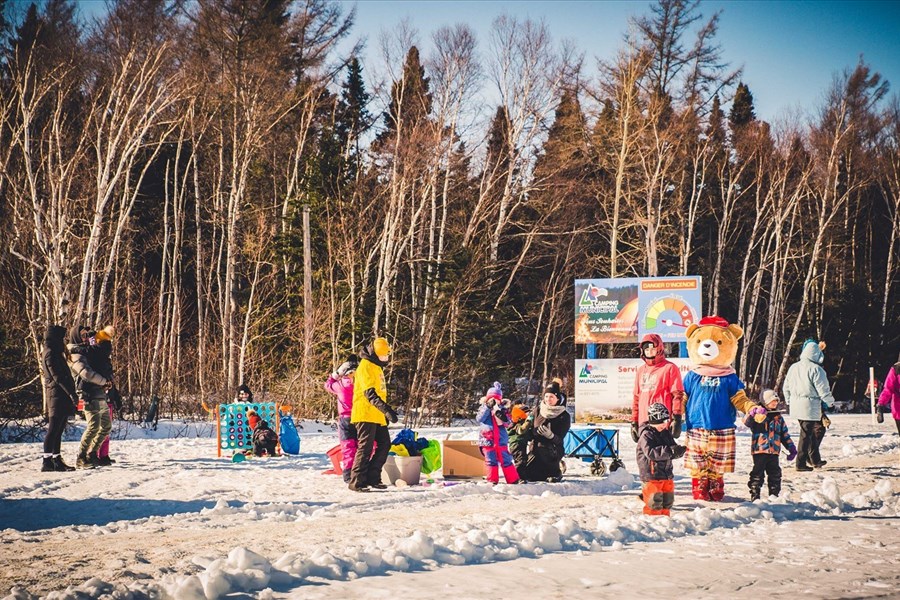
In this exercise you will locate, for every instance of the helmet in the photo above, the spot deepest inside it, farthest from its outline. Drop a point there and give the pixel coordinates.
(657, 413)
(381, 347)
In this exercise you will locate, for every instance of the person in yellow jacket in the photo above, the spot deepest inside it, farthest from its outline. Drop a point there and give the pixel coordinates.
(370, 415)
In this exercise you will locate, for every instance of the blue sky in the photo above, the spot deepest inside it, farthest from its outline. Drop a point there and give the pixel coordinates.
(789, 50)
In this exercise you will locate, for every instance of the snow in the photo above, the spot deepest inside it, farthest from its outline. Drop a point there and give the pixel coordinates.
(172, 520)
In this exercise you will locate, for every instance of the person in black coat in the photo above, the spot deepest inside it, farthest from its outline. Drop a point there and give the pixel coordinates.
(551, 424)
(59, 390)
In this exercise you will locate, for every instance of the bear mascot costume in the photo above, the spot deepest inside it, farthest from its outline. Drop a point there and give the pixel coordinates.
(714, 395)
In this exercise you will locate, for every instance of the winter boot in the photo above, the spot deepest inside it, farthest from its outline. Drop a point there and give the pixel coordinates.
(104, 461)
(47, 465)
(59, 465)
(83, 462)
(493, 474)
(716, 488)
(510, 474)
(93, 458)
(754, 494)
(700, 488)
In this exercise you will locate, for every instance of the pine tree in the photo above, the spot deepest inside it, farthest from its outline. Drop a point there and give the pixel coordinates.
(742, 112)
(353, 117)
(410, 98)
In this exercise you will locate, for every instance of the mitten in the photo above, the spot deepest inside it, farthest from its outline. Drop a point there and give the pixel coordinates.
(879, 413)
(758, 413)
(792, 453)
(676, 426)
(678, 450)
(391, 415)
(545, 431)
(634, 432)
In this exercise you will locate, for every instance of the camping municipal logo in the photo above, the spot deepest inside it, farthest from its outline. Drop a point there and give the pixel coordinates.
(591, 297)
(593, 373)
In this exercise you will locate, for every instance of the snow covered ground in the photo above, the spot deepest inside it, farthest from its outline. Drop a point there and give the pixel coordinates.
(170, 519)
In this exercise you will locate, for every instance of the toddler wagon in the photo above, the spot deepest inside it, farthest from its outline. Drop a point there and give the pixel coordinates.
(593, 444)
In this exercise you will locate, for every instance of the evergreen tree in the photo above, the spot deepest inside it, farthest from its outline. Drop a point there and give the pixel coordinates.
(742, 112)
(353, 117)
(410, 98)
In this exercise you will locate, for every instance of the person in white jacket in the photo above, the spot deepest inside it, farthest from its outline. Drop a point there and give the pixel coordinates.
(805, 389)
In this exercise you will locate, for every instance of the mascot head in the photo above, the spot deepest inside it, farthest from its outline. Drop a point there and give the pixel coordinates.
(713, 342)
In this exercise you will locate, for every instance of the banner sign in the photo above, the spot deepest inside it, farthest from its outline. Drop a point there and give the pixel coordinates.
(621, 311)
(604, 387)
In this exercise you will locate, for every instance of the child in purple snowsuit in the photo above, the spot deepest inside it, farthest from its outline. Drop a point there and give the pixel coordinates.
(494, 439)
(340, 383)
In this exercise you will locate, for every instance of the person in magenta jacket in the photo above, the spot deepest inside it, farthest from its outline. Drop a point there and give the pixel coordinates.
(340, 383)
(890, 395)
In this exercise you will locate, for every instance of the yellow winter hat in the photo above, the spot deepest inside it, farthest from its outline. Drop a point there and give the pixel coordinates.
(106, 334)
(381, 347)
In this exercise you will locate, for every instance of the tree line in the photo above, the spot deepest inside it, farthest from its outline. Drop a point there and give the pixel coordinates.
(247, 201)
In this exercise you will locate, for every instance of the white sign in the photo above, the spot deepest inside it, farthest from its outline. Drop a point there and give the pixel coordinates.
(604, 387)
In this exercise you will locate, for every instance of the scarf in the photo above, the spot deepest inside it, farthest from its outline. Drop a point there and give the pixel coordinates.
(713, 371)
(551, 412)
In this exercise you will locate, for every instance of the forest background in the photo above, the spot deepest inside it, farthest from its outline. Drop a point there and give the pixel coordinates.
(231, 190)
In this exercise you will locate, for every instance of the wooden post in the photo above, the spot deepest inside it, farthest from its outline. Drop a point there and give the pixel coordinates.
(872, 393)
(307, 300)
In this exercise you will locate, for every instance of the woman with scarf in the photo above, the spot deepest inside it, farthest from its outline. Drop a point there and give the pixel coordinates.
(62, 399)
(551, 424)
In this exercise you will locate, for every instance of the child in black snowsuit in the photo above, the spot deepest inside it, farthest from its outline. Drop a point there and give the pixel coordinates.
(656, 448)
(264, 439)
(769, 432)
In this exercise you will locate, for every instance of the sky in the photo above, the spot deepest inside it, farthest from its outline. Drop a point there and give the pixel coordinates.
(789, 51)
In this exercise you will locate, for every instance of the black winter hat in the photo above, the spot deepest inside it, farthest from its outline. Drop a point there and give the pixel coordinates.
(243, 388)
(553, 388)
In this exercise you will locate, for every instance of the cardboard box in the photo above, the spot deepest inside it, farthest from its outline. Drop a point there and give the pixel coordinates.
(461, 459)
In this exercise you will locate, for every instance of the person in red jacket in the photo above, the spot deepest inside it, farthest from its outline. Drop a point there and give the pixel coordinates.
(657, 380)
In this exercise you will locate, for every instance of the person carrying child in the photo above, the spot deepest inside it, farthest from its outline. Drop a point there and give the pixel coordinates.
(494, 439)
(656, 449)
(340, 383)
(769, 432)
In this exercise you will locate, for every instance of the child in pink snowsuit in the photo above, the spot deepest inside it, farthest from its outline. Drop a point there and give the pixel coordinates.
(494, 439)
(340, 383)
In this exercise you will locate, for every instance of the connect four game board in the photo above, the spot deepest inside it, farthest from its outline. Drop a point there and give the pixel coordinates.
(234, 433)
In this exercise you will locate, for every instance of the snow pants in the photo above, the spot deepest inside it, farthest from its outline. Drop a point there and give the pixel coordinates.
(104, 447)
(808, 445)
(367, 465)
(659, 496)
(349, 442)
(765, 465)
(494, 458)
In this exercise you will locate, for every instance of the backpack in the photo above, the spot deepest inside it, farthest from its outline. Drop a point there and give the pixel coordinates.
(290, 438)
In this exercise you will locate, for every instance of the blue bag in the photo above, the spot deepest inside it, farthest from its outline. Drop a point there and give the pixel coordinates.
(290, 437)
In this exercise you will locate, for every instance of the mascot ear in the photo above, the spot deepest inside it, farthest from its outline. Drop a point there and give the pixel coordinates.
(736, 330)
(691, 329)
